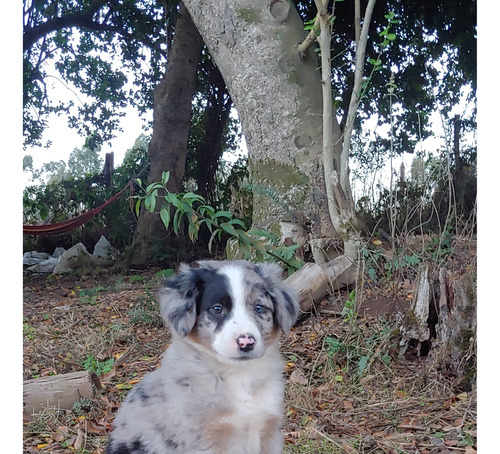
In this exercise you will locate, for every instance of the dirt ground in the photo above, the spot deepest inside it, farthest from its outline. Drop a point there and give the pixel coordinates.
(348, 387)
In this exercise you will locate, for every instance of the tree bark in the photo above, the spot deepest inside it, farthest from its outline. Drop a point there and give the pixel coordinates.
(171, 121)
(59, 391)
(441, 324)
(215, 122)
(313, 282)
(278, 98)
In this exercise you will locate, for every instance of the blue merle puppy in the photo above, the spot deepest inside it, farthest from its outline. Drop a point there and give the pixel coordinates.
(219, 388)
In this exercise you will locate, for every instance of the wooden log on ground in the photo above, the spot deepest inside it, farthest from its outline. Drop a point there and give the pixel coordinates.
(58, 391)
(314, 282)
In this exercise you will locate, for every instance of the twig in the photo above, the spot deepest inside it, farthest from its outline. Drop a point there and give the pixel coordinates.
(123, 356)
(326, 437)
(69, 363)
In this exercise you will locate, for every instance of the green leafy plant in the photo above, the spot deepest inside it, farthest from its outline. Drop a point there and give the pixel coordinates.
(176, 210)
(99, 367)
(349, 310)
(28, 331)
(388, 37)
(89, 295)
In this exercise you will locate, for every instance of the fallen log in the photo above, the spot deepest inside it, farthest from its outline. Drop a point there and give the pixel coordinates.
(314, 282)
(59, 391)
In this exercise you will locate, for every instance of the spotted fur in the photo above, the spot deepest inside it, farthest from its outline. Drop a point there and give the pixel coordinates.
(219, 388)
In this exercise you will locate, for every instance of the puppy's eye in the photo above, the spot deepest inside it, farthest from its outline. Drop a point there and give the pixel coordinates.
(217, 309)
(259, 309)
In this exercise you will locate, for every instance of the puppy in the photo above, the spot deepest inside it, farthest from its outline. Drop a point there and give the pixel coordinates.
(219, 388)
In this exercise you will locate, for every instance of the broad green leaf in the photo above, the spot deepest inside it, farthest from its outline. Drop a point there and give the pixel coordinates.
(170, 197)
(243, 237)
(173, 199)
(189, 196)
(165, 176)
(237, 222)
(150, 202)
(245, 248)
(391, 36)
(203, 209)
(225, 214)
(177, 221)
(153, 187)
(259, 247)
(192, 232)
(137, 207)
(165, 216)
(229, 229)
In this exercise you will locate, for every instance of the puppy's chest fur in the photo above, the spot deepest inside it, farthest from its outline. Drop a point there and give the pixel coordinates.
(234, 408)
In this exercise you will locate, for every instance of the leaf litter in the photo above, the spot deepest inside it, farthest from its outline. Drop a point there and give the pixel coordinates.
(347, 388)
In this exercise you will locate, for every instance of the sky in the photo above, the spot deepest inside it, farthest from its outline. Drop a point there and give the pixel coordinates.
(65, 140)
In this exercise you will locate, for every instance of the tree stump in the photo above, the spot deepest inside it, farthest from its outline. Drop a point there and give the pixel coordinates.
(456, 340)
(441, 324)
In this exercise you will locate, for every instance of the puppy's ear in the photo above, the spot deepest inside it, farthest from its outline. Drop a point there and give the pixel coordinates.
(285, 298)
(179, 297)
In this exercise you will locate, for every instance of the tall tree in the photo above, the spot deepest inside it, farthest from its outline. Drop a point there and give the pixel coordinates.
(277, 91)
(172, 113)
(211, 132)
(96, 46)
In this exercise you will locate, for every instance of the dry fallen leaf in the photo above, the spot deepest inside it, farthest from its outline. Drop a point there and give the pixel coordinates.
(347, 405)
(80, 438)
(297, 376)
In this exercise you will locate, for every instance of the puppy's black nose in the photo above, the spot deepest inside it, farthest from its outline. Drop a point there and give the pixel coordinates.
(246, 342)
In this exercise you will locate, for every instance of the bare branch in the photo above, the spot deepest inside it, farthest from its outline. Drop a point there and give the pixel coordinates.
(303, 47)
(356, 92)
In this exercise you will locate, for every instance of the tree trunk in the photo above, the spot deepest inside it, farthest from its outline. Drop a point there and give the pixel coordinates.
(215, 122)
(278, 97)
(171, 121)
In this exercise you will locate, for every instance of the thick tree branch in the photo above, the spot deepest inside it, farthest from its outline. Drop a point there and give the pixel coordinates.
(79, 19)
(84, 19)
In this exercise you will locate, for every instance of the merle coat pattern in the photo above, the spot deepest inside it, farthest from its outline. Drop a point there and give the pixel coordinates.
(219, 388)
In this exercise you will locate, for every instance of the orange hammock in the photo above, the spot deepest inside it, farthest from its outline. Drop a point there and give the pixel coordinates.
(70, 224)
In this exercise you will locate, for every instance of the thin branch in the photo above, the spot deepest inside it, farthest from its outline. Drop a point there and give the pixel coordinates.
(356, 92)
(78, 19)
